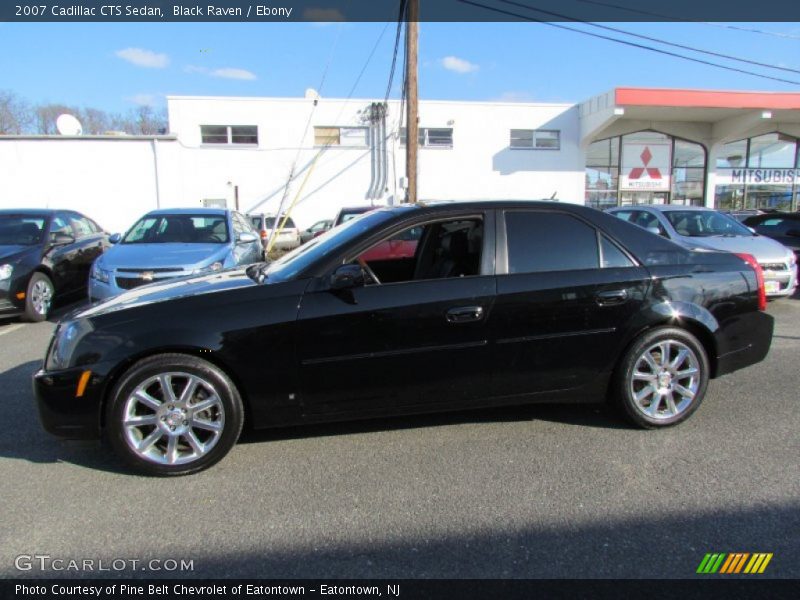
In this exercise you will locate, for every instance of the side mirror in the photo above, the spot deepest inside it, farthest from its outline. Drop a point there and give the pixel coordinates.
(751, 230)
(653, 230)
(61, 239)
(115, 238)
(347, 277)
(246, 238)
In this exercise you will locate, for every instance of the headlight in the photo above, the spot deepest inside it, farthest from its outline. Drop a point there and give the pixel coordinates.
(5, 271)
(100, 274)
(66, 340)
(212, 268)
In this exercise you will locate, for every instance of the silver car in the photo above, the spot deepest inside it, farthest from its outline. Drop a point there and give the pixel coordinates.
(706, 229)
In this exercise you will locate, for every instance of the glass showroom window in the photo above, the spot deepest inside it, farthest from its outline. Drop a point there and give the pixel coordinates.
(602, 173)
(759, 173)
(645, 167)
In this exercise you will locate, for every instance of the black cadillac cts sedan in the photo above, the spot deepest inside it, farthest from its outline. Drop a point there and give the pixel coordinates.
(498, 303)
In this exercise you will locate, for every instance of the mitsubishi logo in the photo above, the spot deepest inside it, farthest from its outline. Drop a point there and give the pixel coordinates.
(652, 172)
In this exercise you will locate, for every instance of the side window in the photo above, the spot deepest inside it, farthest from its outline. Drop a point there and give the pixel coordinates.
(60, 224)
(549, 241)
(80, 225)
(438, 250)
(611, 255)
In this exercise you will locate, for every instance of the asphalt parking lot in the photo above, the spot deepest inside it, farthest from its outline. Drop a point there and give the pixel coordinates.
(544, 491)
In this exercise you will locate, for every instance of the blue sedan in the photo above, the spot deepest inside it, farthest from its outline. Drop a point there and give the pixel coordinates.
(170, 243)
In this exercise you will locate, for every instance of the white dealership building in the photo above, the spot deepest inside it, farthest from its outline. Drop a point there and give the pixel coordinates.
(629, 145)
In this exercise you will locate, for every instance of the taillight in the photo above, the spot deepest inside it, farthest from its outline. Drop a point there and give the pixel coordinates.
(762, 290)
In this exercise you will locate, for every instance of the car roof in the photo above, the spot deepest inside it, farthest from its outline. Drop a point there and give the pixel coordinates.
(43, 212)
(189, 211)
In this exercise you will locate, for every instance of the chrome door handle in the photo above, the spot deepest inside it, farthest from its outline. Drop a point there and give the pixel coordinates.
(465, 314)
(611, 297)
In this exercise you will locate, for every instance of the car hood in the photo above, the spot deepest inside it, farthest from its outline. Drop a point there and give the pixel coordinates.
(9, 253)
(763, 248)
(170, 289)
(157, 256)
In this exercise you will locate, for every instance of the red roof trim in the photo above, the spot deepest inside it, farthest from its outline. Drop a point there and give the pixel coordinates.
(706, 98)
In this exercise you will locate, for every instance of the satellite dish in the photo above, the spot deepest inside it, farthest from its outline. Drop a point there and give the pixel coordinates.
(312, 94)
(68, 125)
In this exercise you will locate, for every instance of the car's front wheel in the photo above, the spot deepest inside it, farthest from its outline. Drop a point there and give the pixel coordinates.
(662, 378)
(174, 414)
(38, 297)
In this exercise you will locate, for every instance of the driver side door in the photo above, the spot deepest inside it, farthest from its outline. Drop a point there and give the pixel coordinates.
(419, 343)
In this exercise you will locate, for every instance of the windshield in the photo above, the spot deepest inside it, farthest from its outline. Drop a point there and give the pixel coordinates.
(179, 229)
(21, 230)
(704, 223)
(328, 243)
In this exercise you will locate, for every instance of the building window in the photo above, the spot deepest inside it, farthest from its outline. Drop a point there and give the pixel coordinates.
(340, 136)
(759, 173)
(229, 134)
(431, 137)
(538, 139)
(645, 167)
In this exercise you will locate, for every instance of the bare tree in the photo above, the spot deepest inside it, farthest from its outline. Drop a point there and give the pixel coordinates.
(15, 114)
(94, 121)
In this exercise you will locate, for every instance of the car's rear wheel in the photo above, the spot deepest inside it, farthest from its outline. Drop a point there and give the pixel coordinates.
(38, 297)
(662, 378)
(174, 414)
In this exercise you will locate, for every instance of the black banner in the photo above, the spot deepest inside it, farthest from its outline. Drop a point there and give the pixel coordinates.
(387, 10)
(115, 589)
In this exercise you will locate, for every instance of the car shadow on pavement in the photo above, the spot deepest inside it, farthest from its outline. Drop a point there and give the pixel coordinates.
(582, 415)
(23, 438)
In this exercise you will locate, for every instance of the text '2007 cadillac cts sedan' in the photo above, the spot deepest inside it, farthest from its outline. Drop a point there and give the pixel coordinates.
(501, 303)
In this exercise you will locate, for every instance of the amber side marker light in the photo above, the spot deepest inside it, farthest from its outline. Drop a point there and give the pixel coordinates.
(82, 382)
(21, 296)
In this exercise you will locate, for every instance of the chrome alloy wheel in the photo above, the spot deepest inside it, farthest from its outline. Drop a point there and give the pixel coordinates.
(41, 297)
(173, 418)
(665, 379)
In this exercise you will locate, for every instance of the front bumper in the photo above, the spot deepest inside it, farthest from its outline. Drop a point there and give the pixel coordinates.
(9, 304)
(783, 280)
(64, 413)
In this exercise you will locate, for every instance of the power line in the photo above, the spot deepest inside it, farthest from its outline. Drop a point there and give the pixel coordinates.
(676, 18)
(400, 15)
(627, 43)
(653, 39)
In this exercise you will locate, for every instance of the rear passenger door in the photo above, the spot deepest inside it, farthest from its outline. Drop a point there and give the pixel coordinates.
(566, 294)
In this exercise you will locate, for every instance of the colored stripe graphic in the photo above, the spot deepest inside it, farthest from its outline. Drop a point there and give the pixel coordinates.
(734, 563)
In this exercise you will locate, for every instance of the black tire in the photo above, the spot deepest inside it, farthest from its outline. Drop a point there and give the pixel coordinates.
(652, 409)
(228, 414)
(38, 308)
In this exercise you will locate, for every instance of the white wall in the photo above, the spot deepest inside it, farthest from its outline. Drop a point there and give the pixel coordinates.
(113, 180)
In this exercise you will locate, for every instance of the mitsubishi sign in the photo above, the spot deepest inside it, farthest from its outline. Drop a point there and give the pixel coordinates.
(645, 166)
(758, 176)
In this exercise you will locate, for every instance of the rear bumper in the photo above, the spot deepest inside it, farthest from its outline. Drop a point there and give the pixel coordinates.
(61, 411)
(759, 326)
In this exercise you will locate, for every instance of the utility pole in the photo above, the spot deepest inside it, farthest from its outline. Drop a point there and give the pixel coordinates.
(412, 96)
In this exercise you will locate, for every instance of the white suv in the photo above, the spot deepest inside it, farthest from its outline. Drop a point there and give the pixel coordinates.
(288, 237)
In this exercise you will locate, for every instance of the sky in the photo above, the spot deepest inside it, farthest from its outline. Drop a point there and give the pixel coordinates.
(117, 66)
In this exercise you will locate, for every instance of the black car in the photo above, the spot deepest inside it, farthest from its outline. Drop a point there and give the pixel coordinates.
(45, 255)
(780, 226)
(501, 303)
